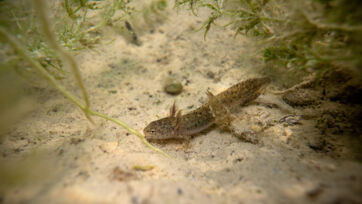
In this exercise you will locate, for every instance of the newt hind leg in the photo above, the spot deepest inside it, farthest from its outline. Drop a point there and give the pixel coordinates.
(221, 113)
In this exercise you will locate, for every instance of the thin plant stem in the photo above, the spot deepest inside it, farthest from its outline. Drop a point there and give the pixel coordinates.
(40, 8)
(23, 53)
(130, 130)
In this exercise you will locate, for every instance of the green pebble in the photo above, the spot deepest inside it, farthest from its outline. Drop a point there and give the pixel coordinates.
(173, 87)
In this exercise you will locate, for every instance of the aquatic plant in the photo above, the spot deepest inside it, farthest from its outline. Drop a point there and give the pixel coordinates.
(295, 38)
(47, 39)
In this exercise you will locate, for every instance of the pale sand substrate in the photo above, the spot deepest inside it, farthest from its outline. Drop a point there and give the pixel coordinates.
(94, 163)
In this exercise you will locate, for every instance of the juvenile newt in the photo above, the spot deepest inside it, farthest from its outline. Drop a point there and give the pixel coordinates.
(216, 111)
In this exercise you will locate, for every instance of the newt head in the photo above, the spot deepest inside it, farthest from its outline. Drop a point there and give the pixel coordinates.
(161, 129)
(165, 128)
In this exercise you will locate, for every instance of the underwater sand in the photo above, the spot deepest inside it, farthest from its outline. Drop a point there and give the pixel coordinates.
(85, 163)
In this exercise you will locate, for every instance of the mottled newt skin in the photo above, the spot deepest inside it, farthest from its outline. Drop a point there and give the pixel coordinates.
(216, 111)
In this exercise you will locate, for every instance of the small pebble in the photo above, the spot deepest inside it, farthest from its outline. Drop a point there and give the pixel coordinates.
(173, 86)
(179, 191)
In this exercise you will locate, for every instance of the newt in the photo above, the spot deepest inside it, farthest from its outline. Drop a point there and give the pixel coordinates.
(217, 110)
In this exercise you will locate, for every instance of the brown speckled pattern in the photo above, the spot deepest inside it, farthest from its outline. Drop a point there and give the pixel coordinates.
(197, 120)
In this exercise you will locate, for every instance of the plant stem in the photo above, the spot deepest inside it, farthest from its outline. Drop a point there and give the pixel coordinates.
(130, 130)
(40, 9)
(23, 53)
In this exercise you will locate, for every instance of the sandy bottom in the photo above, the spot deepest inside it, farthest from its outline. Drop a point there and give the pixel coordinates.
(73, 161)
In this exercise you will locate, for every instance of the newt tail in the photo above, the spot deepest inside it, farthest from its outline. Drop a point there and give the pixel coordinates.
(217, 111)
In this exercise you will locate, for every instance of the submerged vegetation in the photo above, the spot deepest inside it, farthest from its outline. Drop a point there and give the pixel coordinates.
(296, 38)
(43, 54)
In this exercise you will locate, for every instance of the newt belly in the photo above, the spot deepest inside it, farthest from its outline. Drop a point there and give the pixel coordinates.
(216, 111)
